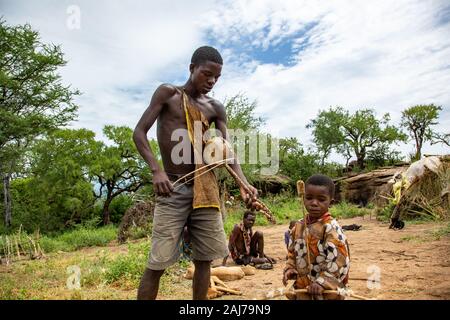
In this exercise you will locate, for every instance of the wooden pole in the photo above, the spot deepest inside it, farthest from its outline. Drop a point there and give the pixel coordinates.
(281, 291)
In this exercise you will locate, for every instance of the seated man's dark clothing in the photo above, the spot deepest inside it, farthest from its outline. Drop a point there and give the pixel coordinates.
(243, 244)
(247, 247)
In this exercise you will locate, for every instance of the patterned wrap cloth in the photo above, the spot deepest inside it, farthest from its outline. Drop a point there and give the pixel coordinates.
(329, 254)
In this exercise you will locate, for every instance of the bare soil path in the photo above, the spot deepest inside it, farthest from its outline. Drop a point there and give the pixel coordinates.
(414, 263)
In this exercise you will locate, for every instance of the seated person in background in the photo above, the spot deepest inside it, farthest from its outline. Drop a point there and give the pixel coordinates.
(247, 247)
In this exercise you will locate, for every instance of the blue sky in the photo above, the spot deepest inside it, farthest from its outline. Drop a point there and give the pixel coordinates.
(293, 57)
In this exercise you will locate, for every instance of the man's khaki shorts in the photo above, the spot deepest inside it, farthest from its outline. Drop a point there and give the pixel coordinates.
(206, 230)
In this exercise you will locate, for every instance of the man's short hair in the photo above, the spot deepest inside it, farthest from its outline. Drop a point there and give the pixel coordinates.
(321, 180)
(249, 213)
(206, 53)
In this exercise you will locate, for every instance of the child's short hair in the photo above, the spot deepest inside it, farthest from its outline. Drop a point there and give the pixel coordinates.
(206, 53)
(249, 213)
(321, 180)
(292, 224)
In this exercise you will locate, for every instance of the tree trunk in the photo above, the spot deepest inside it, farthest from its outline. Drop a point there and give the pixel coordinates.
(106, 213)
(418, 150)
(7, 199)
(418, 146)
(360, 158)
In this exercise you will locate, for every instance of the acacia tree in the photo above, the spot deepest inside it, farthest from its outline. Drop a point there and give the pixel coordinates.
(418, 120)
(33, 100)
(360, 132)
(443, 138)
(241, 116)
(327, 133)
(57, 190)
(294, 162)
(118, 168)
(70, 170)
(241, 113)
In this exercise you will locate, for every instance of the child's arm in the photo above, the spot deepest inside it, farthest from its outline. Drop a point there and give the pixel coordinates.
(334, 259)
(290, 270)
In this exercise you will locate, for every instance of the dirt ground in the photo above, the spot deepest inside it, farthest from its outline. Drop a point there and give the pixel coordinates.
(413, 263)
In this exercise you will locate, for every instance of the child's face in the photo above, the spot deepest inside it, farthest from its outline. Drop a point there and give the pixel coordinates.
(317, 200)
(205, 75)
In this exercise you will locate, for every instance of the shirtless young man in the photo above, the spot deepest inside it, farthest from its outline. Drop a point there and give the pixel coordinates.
(174, 206)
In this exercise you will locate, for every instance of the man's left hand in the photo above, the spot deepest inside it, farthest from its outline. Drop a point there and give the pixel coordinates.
(250, 199)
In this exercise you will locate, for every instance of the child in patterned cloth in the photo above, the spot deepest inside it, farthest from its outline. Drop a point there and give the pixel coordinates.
(318, 253)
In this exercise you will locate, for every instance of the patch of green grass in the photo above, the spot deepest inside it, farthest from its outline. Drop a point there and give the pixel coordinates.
(47, 278)
(414, 238)
(53, 245)
(69, 241)
(125, 271)
(418, 220)
(348, 210)
(285, 208)
(233, 217)
(86, 237)
(435, 235)
(94, 270)
(128, 267)
(442, 232)
(8, 289)
(384, 213)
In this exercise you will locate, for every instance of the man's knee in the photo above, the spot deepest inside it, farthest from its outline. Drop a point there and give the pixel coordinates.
(152, 274)
(258, 235)
(202, 264)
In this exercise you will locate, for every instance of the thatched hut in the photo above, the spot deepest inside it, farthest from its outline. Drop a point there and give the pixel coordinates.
(428, 191)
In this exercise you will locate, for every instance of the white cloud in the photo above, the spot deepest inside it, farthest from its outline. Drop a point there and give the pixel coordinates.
(134, 45)
(386, 55)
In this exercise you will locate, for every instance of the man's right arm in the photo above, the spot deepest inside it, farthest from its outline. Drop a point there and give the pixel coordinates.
(233, 236)
(161, 183)
(232, 243)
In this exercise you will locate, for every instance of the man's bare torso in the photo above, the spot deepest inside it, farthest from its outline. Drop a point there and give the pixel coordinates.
(173, 117)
